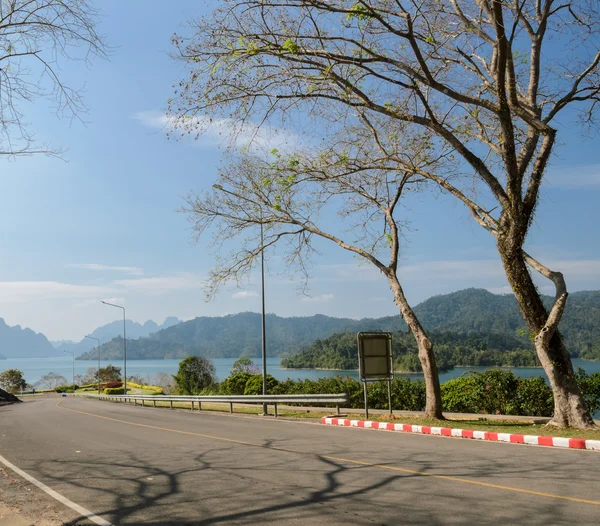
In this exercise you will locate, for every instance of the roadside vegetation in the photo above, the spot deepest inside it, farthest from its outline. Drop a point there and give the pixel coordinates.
(495, 391)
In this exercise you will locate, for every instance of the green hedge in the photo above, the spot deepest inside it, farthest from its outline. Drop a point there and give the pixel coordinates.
(66, 388)
(495, 391)
(113, 391)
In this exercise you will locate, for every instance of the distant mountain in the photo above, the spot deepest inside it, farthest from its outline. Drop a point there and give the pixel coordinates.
(114, 329)
(470, 311)
(232, 336)
(16, 342)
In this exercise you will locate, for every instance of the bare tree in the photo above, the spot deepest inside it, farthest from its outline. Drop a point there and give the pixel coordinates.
(481, 81)
(36, 36)
(50, 381)
(166, 381)
(289, 195)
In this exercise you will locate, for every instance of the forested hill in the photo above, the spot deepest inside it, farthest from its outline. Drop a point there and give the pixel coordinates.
(470, 311)
(451, 349)
(238, 334)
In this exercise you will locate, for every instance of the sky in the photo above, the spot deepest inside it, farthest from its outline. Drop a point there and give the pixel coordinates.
(102, 222)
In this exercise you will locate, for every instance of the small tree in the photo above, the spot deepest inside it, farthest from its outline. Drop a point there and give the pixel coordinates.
(166, 381)
(50, 381)
(289, 195)
(110, 373)
(243, 365)
(195, 373)
(12, 381)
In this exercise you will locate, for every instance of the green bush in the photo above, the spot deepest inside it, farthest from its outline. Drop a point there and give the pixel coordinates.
(590, 389)
(113, 391)
(462, 395)
(235, 384)
(494, 391)
(254, 385)
(499, 391)
(534, 397)
(66, 388)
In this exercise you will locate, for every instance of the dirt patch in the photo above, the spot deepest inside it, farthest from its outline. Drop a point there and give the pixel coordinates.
(34, 505)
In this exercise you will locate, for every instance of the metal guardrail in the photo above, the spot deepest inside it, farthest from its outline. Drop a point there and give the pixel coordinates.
(273, 400)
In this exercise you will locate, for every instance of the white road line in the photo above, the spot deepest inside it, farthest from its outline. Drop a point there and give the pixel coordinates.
(76, 507)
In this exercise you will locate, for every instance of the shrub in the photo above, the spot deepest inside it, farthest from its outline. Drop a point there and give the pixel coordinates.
(65, 388)
(408, 395)
(534, 397)
(462, 395)
(112, 385)
(254, 385)
(113, 391)
(235, 384)
(499, 389)
(590, 389)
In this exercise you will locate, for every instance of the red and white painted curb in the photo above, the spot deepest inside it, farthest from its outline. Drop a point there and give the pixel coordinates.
(572, 443)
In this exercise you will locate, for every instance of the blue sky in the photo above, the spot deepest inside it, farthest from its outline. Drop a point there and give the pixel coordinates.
(101, 224)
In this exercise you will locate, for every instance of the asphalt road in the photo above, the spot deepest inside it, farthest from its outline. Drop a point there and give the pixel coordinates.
(133, 465)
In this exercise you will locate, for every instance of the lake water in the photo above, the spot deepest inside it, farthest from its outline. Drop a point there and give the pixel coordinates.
(34, 368)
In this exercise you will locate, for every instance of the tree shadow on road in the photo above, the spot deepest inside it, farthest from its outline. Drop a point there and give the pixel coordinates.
(243, 485)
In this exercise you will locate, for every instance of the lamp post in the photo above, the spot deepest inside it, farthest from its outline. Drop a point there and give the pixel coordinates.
(262, 272)
(264, 332)
(124, 346)
(73, 355)
(98, 351)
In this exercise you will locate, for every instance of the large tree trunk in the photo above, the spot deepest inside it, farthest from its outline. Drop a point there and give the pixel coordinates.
(433, 404)
(569, 406)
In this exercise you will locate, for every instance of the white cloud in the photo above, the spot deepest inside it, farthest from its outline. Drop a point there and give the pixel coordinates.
(242, 294)
(323, 298)
(30, 291)
(161, 284)
(427, 270)
(575, 177)
(453, 269)
(216, 132)
(135, 271)
(464, 270)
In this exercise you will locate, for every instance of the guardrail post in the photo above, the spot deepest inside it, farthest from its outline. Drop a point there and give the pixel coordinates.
(231, 407)
(275, 409)
(154, 401)
(135, 401)
(337, 408)
(192, 405)
(171, 402)
(143, 403)
(199, 405)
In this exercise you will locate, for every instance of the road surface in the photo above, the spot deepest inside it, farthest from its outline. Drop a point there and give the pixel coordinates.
(144, 466)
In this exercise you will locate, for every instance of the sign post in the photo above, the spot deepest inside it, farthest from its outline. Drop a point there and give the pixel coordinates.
(375, 361)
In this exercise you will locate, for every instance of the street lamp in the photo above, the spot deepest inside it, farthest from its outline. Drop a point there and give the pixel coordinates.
(262, 272)
(264, 332)
(73, 355)
(124, 347)
(98, 351)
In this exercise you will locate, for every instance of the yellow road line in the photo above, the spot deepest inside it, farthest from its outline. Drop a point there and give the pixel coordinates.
(340, 459)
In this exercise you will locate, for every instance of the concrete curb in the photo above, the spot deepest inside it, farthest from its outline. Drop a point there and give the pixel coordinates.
(571, 443)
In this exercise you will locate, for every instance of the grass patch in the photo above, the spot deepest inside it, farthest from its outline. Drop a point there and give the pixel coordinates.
(495, 426)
